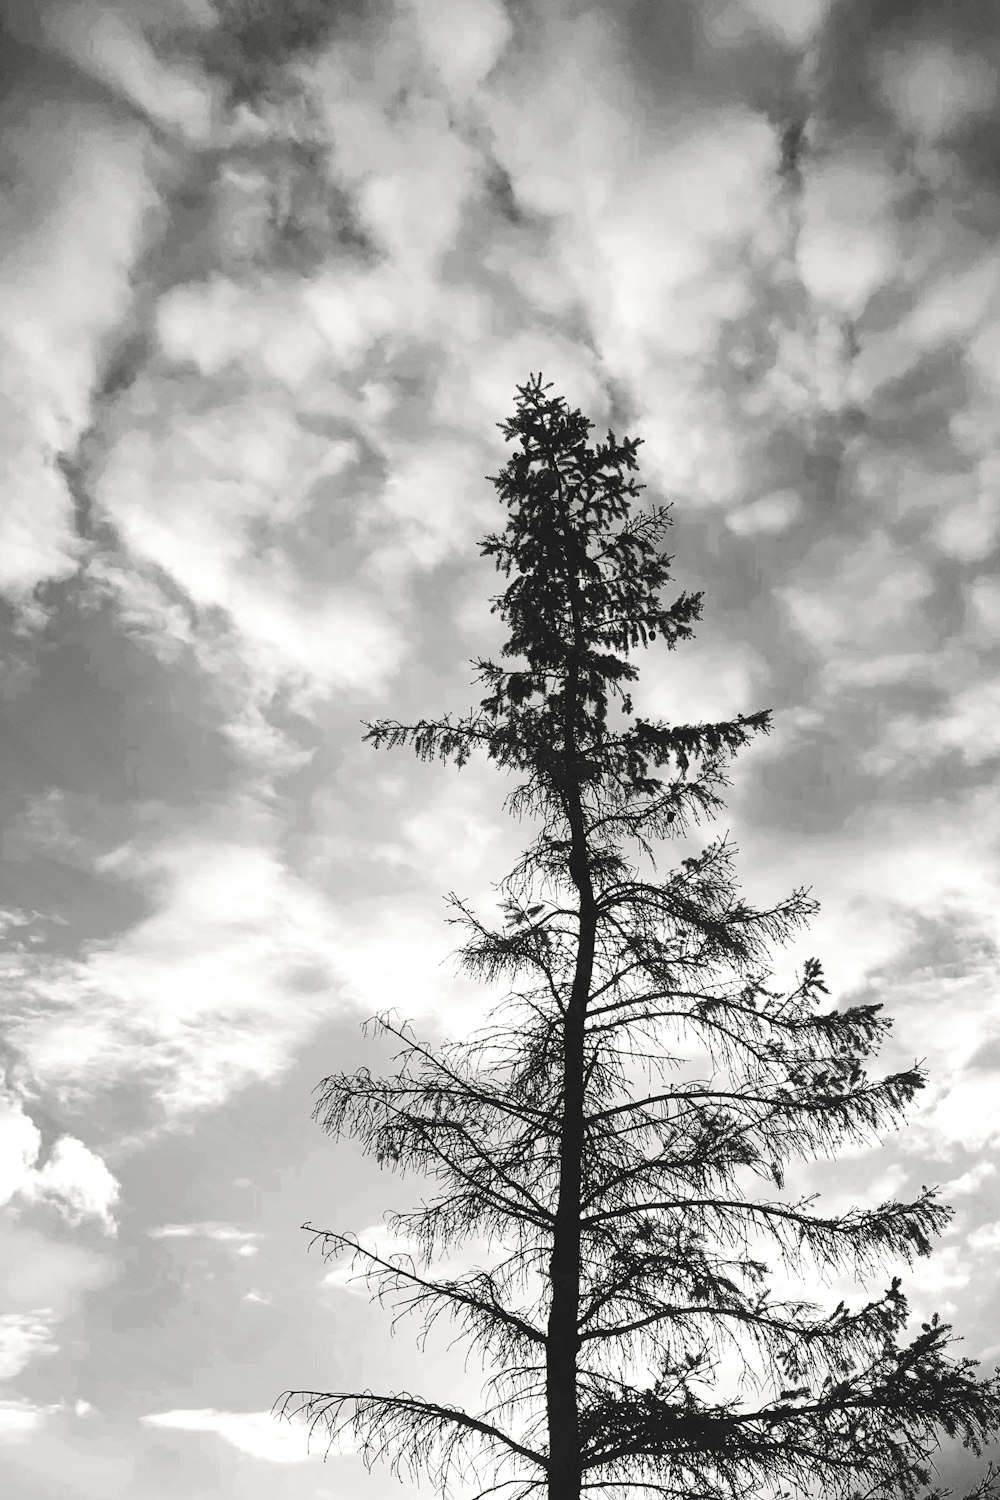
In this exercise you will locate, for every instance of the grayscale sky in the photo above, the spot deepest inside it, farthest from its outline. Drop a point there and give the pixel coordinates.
(270, 274)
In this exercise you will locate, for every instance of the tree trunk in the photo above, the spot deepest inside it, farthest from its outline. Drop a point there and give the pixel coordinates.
(562, 1335)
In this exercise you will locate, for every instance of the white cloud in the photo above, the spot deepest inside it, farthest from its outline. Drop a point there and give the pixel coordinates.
(91, 172)
(983, 600)
(437, 502)
(80, 1182)
(260, 1434)
(452, 834)
(968, 530)
(847, 243)
(211, 498)
(150, 611)
(36, 516)
(20, 1141)
(400, 957)
(946, 1270)
(107, 43)
(217, 987)
(962, 1111)
(707, 681)
(23, 1337)
(970, 1182)
(347, 1273)
(967, 726)
(657, 233)
(934, 89)
(646, 243)
(73, 1177)
(958, 300)
(986, 1237)
(221, 1233)
(872, 879)
(461, 40)
(477, 385)
(392, 141)
(218, 322)
(795, 21)
(19, 1419)
(570, 158)
(851, 598)
(770, 514)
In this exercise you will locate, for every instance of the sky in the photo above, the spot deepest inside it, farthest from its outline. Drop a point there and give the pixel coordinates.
(269, 275)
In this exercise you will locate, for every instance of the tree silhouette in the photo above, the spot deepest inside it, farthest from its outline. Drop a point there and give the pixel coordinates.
(623, 1202)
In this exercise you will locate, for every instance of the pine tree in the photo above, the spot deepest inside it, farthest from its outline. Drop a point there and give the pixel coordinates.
(625, 1205)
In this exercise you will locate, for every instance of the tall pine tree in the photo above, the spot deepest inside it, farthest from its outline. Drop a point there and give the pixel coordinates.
(625, 1204)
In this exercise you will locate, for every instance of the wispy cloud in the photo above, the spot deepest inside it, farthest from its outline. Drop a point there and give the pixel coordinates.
(190, 999)
(258, 1433)
(23, 1337)
(225, 1234)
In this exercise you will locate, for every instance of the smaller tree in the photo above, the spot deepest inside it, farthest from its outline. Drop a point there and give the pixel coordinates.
(624, 1203)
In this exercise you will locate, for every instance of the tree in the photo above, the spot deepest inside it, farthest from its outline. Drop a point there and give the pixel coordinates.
(622, 1203)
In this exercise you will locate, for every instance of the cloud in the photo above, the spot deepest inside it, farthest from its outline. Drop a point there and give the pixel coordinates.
(90, 170)
(461, 40)
(970, 1182)
(962, 1112)
(847, 243)
(965, 727)
(41, 1272)
(260, 1434)
(109, 42)
(710, 680)
(933, 88)
(219, 321)
(986, 1237)
(795, 21)
(215, 988)
(213, 497)
(771, 513)
(23, 1337)
(80, 1182)
(221, 1233)
(20, 1141)
(37, 540)
(347, 1273)
(19, 1419)
(947, 1270)
(433, 505)
(73, 1178)
(452, 834)
(849, 600)
(396, 162)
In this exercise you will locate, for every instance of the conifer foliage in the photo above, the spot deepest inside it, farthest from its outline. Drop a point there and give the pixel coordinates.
(617, 1134)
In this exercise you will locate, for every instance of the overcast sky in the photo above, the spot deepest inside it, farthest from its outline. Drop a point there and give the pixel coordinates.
(270, 274)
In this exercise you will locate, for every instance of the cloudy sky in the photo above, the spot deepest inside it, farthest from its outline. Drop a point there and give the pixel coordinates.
(270, 274)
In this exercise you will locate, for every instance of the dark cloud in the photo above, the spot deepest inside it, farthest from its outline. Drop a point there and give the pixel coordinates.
(252, 40)
(37, 76)
(682, 54)
(100, 719)
(848, 97)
